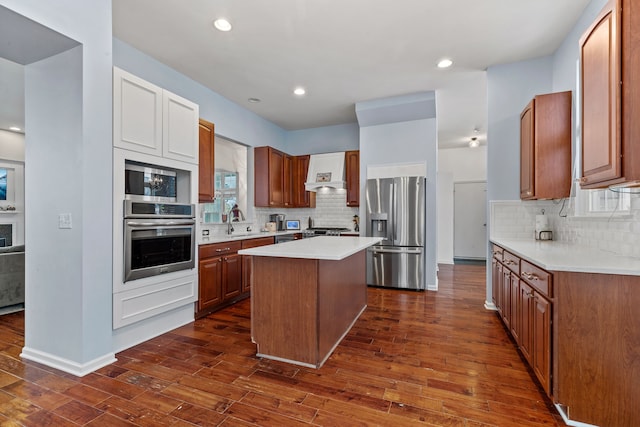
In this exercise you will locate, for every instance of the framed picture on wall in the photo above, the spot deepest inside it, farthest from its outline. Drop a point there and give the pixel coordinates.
(3, 184)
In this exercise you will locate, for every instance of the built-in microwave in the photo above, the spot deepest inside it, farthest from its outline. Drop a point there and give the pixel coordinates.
(148, 183)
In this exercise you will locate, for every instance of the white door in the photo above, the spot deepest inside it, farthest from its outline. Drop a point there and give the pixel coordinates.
(470, 220)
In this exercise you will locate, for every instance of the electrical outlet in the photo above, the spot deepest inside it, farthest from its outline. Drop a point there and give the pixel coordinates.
(205, 232)
(64, 220)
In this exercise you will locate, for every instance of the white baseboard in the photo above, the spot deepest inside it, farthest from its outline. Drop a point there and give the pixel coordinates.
(69, 366)
(490, 306)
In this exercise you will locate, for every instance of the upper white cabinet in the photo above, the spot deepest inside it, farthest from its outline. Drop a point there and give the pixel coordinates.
(151, 120)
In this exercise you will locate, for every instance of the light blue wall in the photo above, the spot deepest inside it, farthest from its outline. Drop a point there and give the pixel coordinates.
(510, 87)
(326, 139)
(231, 120)
(68, 119)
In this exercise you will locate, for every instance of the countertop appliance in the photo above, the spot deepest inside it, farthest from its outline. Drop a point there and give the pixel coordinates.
(396, 211)
(279, 220)
(323, 231)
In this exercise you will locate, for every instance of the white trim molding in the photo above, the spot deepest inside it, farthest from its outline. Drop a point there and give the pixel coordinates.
(69, 366)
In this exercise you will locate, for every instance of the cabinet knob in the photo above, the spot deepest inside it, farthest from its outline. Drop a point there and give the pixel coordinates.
(529, 193)
(583, 180)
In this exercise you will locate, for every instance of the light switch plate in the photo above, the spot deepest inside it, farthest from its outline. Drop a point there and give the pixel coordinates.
(64, 220)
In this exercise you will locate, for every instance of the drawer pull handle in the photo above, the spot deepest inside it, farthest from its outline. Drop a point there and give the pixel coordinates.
(530, 276)
(223, 250)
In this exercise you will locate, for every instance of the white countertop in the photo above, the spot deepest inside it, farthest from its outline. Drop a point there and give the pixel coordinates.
(333, 248)
(557, 256)
(242, 235)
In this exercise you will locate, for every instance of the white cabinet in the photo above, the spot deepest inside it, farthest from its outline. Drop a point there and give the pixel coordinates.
(151, 120)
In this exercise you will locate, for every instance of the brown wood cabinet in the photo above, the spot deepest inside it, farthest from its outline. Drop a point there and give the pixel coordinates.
(545, 147)
(206, 165)
(525, 293)
(352, 172)
(269, 181)
(597, 344)
(610, 87)
(246, 260)
(301, 197)
(219, 276)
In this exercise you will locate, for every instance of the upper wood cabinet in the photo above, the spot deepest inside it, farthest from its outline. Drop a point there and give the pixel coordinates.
(545, 147)
(610, 100)
(268, 177)
(151, 120)
(301, 197)
(206, 166)
(352, 172)
(287, 181)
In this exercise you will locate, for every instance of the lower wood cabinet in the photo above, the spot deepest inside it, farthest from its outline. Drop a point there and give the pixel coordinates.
(223, 275)
(525, 305)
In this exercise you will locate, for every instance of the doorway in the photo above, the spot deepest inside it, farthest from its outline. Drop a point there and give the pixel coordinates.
(470, 222)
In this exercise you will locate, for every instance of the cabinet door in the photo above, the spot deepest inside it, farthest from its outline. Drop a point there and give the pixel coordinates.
(600, 88)
(527, 165)
(287, 180)
(276, 183)
(525, 317)
(231, 276)
(301, 197)
(209, 282)
(206, 181)
(179, 128)
(506, 297)
(352, 168)
(137, 114)
(498, 277)
(246, 259)
(495, 283)
(514, 283)
(542, 341)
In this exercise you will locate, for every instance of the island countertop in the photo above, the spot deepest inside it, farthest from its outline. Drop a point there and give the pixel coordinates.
(332, 248)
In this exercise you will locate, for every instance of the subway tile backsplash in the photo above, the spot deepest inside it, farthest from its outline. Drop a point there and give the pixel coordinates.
(331, 211)
(515, 219)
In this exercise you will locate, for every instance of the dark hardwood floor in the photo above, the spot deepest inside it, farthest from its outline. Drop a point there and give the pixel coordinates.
(413, 358)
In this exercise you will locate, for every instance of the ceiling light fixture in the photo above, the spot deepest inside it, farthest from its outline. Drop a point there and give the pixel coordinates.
(474, 142)
(299, 91)
(15, 128)
(254, 100)
(222, 24)
(445, 63)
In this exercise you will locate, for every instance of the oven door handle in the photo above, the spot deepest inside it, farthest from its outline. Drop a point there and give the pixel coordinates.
(160, 222)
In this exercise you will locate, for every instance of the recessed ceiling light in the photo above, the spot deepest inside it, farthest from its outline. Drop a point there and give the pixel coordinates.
(445, 63)
(222, 24)
(474, 142)
(254, 100)
(299, 91)
(15, 128)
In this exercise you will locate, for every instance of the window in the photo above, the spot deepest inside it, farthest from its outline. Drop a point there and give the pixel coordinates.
(230, 183)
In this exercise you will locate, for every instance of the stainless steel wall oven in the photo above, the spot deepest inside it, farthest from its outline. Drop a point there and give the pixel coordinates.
(158, 238)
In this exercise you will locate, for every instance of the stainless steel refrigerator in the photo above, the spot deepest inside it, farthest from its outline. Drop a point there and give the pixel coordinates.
(396, 211)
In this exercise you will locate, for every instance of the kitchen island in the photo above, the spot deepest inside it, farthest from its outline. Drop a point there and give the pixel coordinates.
(306, 295)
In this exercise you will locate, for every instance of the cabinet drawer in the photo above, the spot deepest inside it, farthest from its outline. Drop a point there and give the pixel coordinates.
(540, 279)
(496, 251)
(254, 243)
(511, 261)
(217, 249)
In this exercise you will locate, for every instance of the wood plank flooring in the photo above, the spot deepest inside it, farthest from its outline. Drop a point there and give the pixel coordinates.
(413, 358)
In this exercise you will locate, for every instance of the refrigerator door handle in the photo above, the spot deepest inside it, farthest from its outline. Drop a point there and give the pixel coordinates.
(394, 210)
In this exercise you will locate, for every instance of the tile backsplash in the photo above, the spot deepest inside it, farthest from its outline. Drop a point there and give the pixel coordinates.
(620, 235)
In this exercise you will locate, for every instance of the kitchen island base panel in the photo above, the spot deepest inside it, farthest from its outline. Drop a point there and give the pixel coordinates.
(302, 308)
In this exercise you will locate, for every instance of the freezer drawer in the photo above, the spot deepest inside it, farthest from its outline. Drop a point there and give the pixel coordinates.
(396, 267)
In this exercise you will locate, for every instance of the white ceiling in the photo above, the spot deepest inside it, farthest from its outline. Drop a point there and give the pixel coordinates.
(347, 51)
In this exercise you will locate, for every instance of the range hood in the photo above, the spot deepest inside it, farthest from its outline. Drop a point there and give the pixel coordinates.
(325, 170)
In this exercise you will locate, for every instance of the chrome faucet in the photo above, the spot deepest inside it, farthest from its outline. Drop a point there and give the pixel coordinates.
(229, 225)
